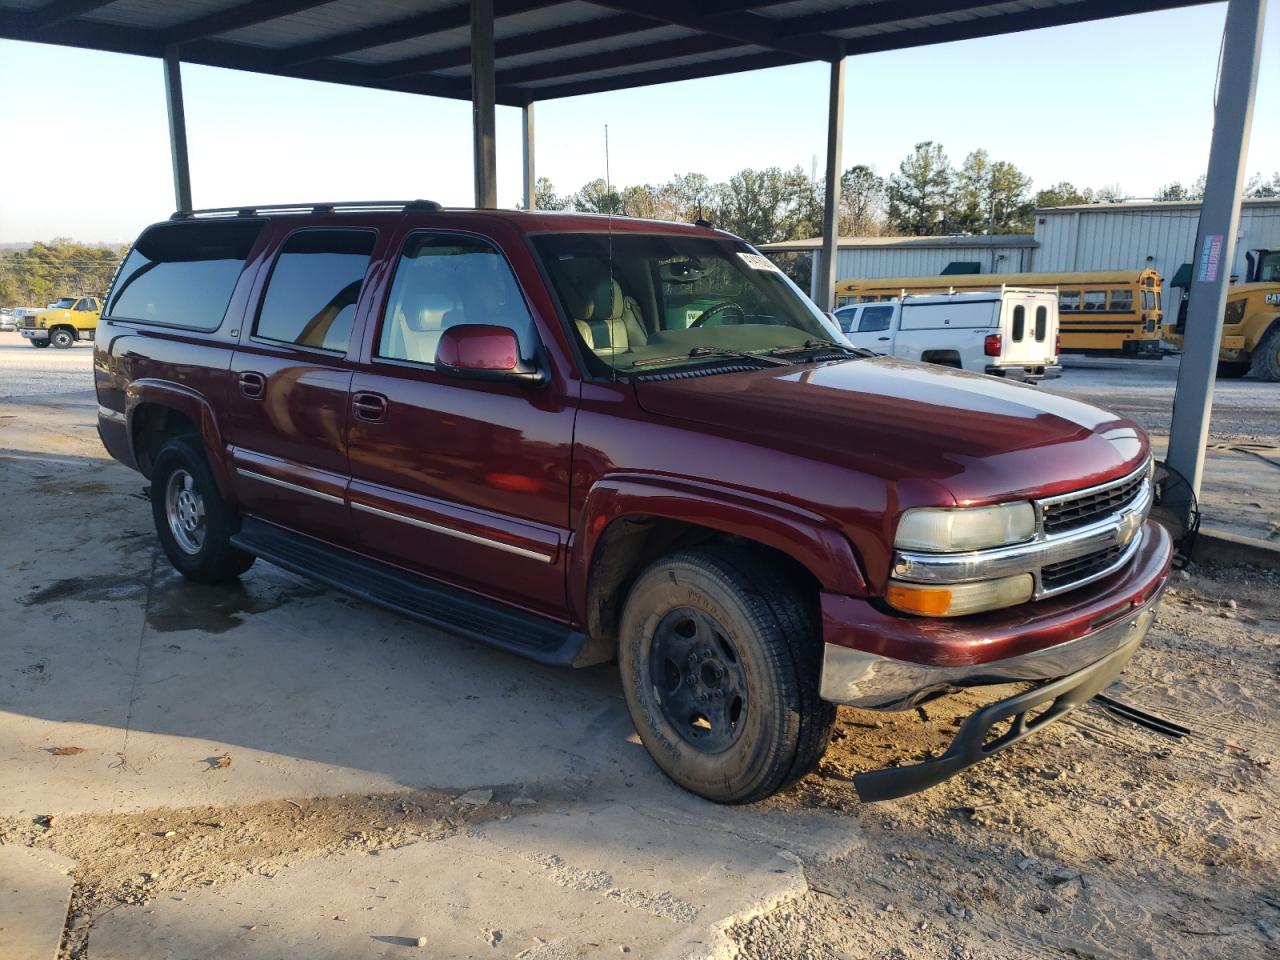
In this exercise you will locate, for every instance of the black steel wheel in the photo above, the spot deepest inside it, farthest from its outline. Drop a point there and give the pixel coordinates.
(719, 652)
(62, 339)
(698, 679)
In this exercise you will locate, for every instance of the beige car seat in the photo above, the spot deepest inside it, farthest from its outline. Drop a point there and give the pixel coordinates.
(608, 322)
(418, 322)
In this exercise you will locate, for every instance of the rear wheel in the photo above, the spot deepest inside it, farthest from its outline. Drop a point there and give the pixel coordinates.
(39, 343)
(719, 656)
(62, 339)
(192, 520)
(1266, 358)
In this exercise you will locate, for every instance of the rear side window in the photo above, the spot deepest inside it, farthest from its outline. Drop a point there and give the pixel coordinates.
(1019, 322)
(1069, 300)
(182, 274)
(1042, 323)
(1095, 301)
(1121, 299)
(875, 319)
(314, 287)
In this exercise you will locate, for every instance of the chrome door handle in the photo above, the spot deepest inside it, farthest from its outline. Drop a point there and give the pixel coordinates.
(253, 385)
(370, 407)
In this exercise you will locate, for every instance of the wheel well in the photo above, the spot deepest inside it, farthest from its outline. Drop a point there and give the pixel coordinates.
(153, 426)
(65, 326)
(629, 544)
(947, 358)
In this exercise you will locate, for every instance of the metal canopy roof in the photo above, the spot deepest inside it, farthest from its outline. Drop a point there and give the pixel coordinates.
(543, 50)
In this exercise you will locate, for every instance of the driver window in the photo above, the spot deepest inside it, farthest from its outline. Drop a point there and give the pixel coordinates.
(445, 280)
(874, 319)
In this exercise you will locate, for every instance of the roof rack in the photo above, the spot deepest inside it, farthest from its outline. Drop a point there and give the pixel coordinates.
(346, 206)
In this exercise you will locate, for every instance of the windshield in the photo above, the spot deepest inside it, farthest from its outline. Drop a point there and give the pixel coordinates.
(638, 303)
(66, 303)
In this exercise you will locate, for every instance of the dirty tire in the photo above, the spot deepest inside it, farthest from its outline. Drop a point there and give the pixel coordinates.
(1266, 358)
(736, 595)
(1231, 371)
(39, 343)
(215, 560)
(61, 339)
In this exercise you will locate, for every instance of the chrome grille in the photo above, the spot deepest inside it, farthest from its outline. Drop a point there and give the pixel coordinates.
(1070, 512)
(1055, 575)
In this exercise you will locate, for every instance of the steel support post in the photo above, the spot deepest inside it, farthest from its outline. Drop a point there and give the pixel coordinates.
(177, 130)
(530, 179)
(826, 285)
(1215, 248)
(483, 91)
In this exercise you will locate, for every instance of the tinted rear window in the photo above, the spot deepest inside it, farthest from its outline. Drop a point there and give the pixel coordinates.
(314, 287)
(182, 274)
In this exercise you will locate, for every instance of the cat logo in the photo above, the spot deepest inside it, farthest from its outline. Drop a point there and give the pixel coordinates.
(1272, 299)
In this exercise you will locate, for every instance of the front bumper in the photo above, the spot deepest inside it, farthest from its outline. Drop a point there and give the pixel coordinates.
(882, 661)
(974, 743)
(1071, 646)
(34, 333)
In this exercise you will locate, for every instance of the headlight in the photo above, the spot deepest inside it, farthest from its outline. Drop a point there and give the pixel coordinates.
(953, 530)
(957, 599)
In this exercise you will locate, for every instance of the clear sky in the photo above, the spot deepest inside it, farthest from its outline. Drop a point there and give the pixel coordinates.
(1127, 100)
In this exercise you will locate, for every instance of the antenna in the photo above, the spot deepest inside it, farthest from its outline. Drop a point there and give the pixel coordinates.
(608, 196)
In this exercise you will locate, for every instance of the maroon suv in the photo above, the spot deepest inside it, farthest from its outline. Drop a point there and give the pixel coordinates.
(582, 438)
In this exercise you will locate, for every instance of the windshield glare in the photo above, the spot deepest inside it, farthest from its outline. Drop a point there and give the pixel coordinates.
(64, 304)
(642, 302)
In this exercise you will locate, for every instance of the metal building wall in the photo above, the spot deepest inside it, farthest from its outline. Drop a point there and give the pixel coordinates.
(1110, 239)
(901, 261)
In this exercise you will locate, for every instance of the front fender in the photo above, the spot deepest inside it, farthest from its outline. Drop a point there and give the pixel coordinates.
(806, 537)
(192, 405)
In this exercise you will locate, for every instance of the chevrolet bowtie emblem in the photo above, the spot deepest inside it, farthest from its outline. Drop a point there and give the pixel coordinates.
(1130, 524)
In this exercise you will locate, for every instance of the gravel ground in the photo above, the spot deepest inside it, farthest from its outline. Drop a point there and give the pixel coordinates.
(1244, 410)
(28, 371)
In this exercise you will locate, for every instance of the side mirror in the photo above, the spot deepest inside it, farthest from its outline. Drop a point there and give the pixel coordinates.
(482, 351)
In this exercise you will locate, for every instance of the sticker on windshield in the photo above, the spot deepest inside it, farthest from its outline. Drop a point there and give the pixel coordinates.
(758, 261)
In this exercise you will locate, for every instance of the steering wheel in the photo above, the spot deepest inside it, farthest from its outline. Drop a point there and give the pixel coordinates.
(717, 308)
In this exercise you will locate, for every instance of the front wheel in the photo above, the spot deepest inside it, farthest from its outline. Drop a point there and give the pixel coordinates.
(719, 655)
(192, 520)
(61, 339)
(1266, 358)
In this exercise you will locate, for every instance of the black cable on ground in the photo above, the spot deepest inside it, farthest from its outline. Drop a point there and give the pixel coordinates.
(1182, 524)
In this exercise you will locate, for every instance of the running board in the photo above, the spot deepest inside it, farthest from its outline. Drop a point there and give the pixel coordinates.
(448, 608)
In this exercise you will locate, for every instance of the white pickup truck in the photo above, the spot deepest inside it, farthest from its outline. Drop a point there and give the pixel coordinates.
(1011, 333)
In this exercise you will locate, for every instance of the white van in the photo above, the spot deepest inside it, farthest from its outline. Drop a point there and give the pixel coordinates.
(1011, 333)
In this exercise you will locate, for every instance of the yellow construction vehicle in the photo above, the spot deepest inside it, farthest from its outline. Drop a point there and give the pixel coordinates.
(1250, 322)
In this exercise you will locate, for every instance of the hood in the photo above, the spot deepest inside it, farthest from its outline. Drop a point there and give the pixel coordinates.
(979, 437)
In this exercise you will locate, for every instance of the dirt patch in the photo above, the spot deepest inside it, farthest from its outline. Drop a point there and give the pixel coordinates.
(133, 858)
(1095, 838)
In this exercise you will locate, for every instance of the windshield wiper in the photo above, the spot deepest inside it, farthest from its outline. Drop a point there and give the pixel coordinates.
(714, 353)
(813, 345)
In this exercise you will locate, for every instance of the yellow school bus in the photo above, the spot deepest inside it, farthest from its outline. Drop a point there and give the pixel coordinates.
(1102, 312)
